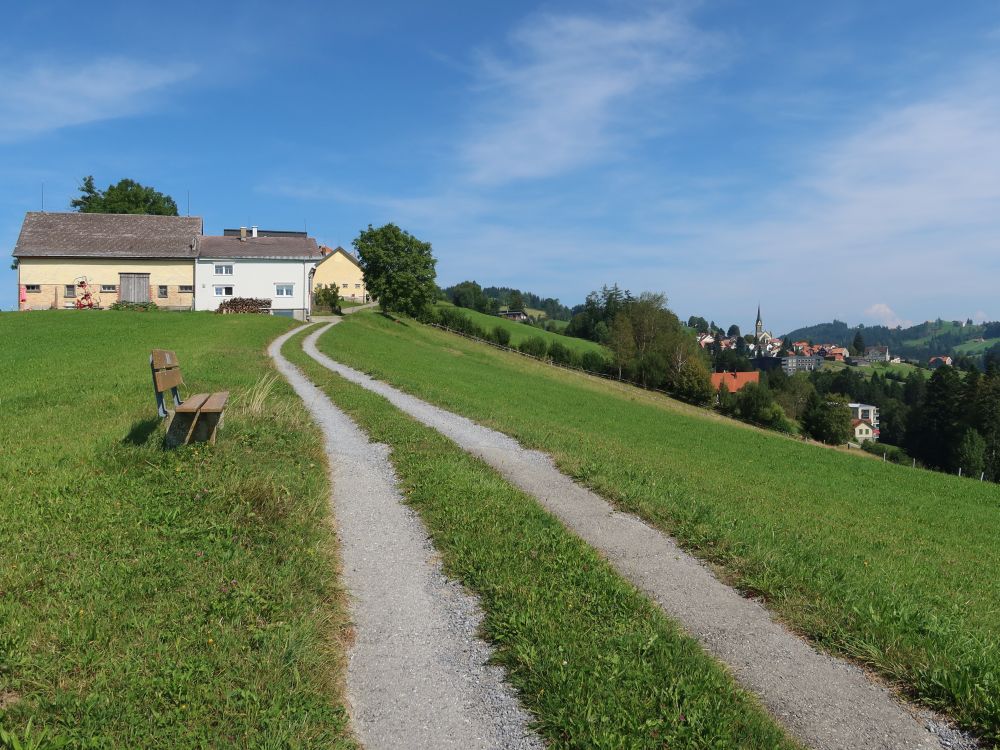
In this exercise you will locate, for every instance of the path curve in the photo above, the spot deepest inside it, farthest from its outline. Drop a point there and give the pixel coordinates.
(826, 702)
(417, 674)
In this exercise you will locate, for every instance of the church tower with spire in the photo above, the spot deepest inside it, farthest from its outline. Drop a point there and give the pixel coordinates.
(759, 327)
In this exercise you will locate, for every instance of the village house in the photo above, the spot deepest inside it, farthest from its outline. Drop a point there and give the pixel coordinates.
(867, 413)
(862, 430)
(734, 380)
(800, 363)
(940, 361)
(340, 269)
(69, 260)
(265, 265)
(877, 353)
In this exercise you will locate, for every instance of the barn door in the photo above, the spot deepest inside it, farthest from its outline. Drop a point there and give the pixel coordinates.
(133, 287)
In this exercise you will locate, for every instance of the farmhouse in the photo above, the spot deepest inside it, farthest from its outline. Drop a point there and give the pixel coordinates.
(340, 269)
(272, 265)
(940, 361)
(734, 380)
(115, 257)
(518, 315)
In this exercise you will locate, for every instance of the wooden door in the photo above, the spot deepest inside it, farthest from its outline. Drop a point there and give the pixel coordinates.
(133, 287)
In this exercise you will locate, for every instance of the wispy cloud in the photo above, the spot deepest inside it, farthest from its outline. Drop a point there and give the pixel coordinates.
(564, 90)
(48, 97)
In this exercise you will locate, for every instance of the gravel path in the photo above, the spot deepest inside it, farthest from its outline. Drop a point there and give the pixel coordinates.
(827, 703)
(417, 674)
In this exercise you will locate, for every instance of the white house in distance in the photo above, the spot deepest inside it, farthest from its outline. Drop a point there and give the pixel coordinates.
(252, 263)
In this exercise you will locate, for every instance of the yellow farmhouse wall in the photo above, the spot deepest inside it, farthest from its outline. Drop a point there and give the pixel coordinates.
(53, 274)
(337, 269)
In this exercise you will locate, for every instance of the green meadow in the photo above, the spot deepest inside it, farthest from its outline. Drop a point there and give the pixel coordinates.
(593, 659)
(521, 331)
(161, 598)
(897, 568)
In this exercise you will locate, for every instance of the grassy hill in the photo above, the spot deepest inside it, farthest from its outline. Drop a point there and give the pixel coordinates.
(162, 598)
(892, 566)
(521, 331)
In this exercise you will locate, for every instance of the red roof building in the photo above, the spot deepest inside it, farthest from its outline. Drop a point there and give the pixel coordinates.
(734, 380)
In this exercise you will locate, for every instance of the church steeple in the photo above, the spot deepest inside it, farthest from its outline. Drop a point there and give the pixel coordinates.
(759, 327)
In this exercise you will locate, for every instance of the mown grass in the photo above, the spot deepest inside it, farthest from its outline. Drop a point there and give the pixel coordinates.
(595, 661)
(520, 332)
(161, 598)
(896, 567)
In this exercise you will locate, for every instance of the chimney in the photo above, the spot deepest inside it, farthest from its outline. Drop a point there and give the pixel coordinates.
(253, 231)
(243, 234)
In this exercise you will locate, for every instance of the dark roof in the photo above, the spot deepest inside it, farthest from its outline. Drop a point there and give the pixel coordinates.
(80, 235)
(264, 232)
(304, 248)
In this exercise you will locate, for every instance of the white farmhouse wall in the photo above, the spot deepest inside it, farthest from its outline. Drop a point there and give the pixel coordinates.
(254, 277)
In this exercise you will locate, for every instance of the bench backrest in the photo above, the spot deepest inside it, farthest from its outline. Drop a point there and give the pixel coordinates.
(166, 370)
(166, 377)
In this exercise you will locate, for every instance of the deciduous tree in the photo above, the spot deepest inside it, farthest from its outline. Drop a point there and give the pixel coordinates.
(125, 197)
(398, 269)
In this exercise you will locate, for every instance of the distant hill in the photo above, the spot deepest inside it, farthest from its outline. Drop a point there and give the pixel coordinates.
(919, 342)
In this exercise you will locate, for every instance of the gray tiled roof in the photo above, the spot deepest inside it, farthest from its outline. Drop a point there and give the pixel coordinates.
(258, 247)
(107, 236)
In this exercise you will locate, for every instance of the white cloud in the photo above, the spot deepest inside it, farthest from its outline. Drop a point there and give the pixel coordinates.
(48, 97)
(565, 91)
(884, 315)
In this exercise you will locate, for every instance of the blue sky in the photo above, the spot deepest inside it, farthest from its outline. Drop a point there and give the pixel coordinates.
(828, 160)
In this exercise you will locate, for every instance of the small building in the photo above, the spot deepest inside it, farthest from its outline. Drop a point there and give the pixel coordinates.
(866, 412)
(734, 380)
(877, 353)
(862, 430)
(940, 361)
(115, 257)
(277, 267)
(341, 269)
(518, 315)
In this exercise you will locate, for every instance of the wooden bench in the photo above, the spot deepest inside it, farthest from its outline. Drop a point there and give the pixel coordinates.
(198, 417)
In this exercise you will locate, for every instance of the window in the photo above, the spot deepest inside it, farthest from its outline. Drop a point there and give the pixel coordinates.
(70, 290)
(357, 286)
(223, 291)
(109, 288)
(186, 289)
(223, 269)
(345, 285)
(283, 290)
(161, 291)
(33, 288)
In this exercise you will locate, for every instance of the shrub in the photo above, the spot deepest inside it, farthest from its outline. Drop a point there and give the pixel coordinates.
(592, 361)
(328, 297)
(535, 346)
(501, 335)
(891, 452)
(561, 354)
(250, 305)
(135, 306)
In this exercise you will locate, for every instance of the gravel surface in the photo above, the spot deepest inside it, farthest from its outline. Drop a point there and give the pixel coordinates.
(825, 702)
(417, 674)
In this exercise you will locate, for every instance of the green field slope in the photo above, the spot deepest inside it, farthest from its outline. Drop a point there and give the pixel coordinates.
(597, 664)
(896, 567)
(161, 598)
(520, 331)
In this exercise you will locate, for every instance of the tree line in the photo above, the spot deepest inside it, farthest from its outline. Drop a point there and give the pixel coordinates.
(491, 299)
